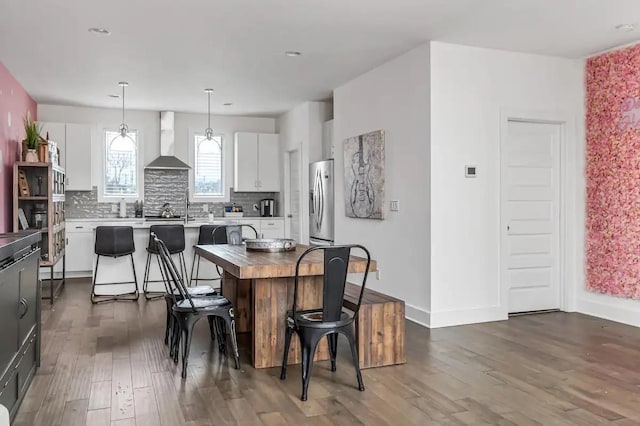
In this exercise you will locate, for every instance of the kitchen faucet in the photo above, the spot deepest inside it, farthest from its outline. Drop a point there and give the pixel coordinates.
(186, 206)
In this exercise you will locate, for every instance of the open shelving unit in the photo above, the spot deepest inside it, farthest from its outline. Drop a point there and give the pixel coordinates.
(40, 187)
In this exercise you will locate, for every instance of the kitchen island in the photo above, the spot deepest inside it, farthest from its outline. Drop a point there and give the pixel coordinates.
(80, 259)
(260, 286)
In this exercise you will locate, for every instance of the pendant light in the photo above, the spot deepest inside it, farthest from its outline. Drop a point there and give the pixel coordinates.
(208, 132)
(124, 129)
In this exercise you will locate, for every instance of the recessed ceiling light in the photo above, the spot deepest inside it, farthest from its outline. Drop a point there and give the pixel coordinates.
(227, 104)
(111, 95)
(101, 31)
(292, 53)
(626, 27)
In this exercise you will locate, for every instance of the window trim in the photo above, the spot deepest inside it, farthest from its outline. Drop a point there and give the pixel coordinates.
(139, 195)
(192, 162)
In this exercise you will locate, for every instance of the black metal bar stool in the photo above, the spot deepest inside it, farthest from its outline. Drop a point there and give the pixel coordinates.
(114, 241)
(205, 237)
(173, 237)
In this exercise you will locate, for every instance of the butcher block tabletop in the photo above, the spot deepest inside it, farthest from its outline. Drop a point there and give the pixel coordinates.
(247, 264)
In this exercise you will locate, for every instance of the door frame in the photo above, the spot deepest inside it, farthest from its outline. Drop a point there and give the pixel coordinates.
(567, 202)
(287, 189)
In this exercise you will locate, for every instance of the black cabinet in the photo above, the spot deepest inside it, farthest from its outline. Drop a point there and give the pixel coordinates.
(19, 316)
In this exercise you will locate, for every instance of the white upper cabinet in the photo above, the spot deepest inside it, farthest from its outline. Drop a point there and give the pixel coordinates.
(74, 142)
(245, 166)
(268, 162)
(256, 162)
(78, 163)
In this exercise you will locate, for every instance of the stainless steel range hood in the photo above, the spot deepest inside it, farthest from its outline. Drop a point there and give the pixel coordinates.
(167, 159)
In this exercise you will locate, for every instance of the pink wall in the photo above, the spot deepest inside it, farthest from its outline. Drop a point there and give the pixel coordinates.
(613, 173)
(14, 104)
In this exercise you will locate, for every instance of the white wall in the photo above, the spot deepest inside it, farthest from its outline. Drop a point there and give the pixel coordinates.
(393, 97)
(301, 129)
(147, 123)
(469, 89)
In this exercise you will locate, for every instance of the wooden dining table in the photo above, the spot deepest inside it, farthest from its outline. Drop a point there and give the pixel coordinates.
(260, 285)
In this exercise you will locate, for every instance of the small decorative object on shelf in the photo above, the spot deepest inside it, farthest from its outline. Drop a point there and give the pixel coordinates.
(23, 183)
(32, 140)
(23, 219)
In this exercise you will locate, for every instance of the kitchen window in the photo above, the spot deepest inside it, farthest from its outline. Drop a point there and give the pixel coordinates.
(208, 170)
(121, 165)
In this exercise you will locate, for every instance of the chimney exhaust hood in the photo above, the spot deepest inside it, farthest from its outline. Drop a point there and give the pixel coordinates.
(167, 159)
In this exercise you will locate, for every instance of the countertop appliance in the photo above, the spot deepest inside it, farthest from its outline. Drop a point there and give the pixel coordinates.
(321, 203)
(268, 207)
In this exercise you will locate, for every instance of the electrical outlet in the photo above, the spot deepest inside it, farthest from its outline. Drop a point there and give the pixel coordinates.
(395, 206)
(114, 208)
(205, 208)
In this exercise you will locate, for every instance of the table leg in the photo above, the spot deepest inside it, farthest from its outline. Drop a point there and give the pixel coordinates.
(271, 299)
(239, 294)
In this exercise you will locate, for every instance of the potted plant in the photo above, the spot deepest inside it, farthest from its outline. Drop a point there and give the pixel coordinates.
(32, 139)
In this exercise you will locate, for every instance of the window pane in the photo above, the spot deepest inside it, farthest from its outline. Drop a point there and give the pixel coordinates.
(208, 170)
(121, 164)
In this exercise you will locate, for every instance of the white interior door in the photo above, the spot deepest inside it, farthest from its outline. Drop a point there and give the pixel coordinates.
(531, 209)
(294, 196)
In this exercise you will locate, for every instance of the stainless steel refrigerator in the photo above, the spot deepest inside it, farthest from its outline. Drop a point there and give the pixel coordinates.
(321, 202)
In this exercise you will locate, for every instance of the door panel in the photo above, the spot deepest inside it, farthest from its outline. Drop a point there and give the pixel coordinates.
(531, 191)
(245, 168)
(268, 162)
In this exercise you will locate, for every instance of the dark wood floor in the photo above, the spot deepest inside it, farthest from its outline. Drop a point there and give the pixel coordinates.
(107, 364)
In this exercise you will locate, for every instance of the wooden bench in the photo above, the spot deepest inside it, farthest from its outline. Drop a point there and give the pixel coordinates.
(379, 327)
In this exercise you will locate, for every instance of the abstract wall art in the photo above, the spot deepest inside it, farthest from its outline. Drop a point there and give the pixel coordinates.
(364, 176)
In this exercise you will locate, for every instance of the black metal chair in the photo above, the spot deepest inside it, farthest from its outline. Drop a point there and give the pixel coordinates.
(329, 320)
(188, 310)
(205, 237)
(114, 241)
(173, 237)
(230, 234)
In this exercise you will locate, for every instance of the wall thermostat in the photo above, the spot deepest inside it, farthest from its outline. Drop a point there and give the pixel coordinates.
(470, 171)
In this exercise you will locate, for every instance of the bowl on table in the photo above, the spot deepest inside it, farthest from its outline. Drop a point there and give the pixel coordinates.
(270, 244)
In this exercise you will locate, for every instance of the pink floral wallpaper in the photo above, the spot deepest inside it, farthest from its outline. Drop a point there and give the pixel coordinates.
(613, 173)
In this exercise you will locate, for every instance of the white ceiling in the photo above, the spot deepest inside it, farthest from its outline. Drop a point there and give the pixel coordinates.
(170, 50)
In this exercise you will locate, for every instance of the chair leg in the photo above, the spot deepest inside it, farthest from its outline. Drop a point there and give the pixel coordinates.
(93, 286)
(197, 269)
(135, 277)
(219, 324)
(309, 342)
(193, 263)
(145, 279)
(175, 340)
(333, 349)
(187, 334)
(231, 321)
(354, 353)
(212, 327)
(285, 356)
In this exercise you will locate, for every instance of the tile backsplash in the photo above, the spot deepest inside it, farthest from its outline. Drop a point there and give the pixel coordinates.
(160, 186)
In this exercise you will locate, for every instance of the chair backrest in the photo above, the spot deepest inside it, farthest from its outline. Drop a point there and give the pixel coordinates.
(336, 265)
(230, 234)
(170, 274)
(171, 235)
(114, 240)
(205, 236)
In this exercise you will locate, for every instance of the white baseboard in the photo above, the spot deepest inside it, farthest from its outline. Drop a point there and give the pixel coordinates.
(417, 315)
(467, 316)
(611, 308)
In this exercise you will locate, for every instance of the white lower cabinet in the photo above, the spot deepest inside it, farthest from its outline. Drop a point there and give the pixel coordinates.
(79, 250)
(272, 228)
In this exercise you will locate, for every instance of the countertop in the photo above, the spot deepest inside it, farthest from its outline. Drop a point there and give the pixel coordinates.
(138, 223)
